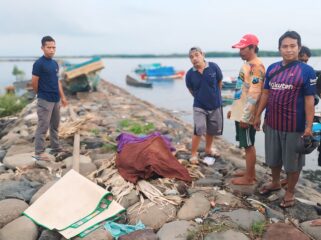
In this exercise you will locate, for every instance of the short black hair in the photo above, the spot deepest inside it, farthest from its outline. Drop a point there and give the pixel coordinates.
(256, 48)
(46, 39)
(290, 34)
(305, 50)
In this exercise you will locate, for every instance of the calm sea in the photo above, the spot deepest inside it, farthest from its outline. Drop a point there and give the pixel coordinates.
(171, 95)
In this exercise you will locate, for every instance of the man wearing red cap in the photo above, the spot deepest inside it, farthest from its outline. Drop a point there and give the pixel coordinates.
(247, 94)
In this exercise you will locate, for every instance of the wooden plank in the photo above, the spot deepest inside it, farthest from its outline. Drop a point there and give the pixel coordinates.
(76, 150)
(95, 66)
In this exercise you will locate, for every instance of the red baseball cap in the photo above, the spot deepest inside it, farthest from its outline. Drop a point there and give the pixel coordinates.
(246, 40)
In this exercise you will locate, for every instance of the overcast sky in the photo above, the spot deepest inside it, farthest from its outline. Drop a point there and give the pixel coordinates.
(148, 26)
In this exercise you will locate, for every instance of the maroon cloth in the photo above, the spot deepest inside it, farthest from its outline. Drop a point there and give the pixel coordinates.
(149, 158)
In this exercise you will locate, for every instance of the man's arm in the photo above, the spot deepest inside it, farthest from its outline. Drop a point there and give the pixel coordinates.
(309, 114)
(62, 95)
(220, 84)
(35, 81)
(262, 104)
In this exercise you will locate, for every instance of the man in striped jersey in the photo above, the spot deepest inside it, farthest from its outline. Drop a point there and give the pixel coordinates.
(288, 97)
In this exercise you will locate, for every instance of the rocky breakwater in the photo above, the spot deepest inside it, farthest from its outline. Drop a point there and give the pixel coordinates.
(208, 208)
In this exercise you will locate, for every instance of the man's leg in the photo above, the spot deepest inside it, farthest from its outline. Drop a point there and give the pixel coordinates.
(54, 125)
(214, 127)
(44, 110)
(293, 178)
(208, 144)
(195, 143)
(246, 137)
(199, 129)
(249, 177)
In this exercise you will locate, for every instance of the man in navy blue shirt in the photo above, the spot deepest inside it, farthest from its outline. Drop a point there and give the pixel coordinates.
(49, 91)
(204, 81)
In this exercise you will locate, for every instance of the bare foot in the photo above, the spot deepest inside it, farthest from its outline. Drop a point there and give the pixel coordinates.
(239, 173)
(316, 222)
(243, 181)
(284, 182)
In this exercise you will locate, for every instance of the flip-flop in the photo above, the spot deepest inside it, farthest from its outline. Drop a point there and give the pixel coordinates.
(41, 158)
(266, 191)
(214, 153)
(287, 203)
(194, 160)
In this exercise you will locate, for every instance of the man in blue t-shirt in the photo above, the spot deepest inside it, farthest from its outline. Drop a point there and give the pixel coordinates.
(204, 81)
(288, 96)
(49, 91)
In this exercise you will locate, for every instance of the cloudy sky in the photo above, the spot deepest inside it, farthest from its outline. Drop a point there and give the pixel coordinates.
(148, 26)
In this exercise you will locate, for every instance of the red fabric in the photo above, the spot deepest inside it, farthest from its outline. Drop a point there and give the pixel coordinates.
(145, 159)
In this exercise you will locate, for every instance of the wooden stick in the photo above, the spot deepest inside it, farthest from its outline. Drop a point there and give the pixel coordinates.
(75, 154)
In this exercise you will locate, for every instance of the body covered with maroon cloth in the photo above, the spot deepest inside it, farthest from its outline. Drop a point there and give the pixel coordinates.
(151, 157)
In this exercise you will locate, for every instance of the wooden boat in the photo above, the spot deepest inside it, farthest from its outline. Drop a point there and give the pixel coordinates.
(83, 76)
(136, 82)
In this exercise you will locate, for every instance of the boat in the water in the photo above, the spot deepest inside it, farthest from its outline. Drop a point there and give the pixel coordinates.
(156, 71)
(229, 83)
(136, 82)
(83, 76)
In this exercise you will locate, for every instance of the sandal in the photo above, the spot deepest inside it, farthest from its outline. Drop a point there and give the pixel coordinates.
(265, 190)
(194, 160)
(287, 203)
(57, 151)
(41, 157)
(213, 153)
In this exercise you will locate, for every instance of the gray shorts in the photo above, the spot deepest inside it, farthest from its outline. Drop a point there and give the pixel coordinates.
(280, 150)
(208, 122)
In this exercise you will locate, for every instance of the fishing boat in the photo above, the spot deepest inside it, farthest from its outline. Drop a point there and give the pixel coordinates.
(156, 71)
(136, 82)
(141, 69)
(83, 76)
(229, 83)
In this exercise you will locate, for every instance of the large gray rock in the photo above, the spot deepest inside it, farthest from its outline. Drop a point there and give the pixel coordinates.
(99, 234)
(82, 159)
(176, 230)
(196, 206)
(2, 154)
(244, 218)
(209, 181)
(314, 231)
(129, 199)
(143, 234)
(84, 168)
(22, 160)
(41, 191)
(20, 229)
(228, 199)
(10, 209)
(283, 231)
(26, 147)
(49, 235)
(152, 215)
(227, 235)
(23, 189)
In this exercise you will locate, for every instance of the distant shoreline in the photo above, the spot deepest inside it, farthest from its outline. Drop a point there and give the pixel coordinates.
(262, 53)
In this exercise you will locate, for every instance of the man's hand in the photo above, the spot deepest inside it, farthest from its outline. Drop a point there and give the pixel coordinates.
(307, 132)
(244, 125)
(257, 123)
(64, 102)
(228, 115)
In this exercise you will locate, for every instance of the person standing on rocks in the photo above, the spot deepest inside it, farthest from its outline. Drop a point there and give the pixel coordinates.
(204, 81)
(50, 95)
(288, 95)
(247, 95)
